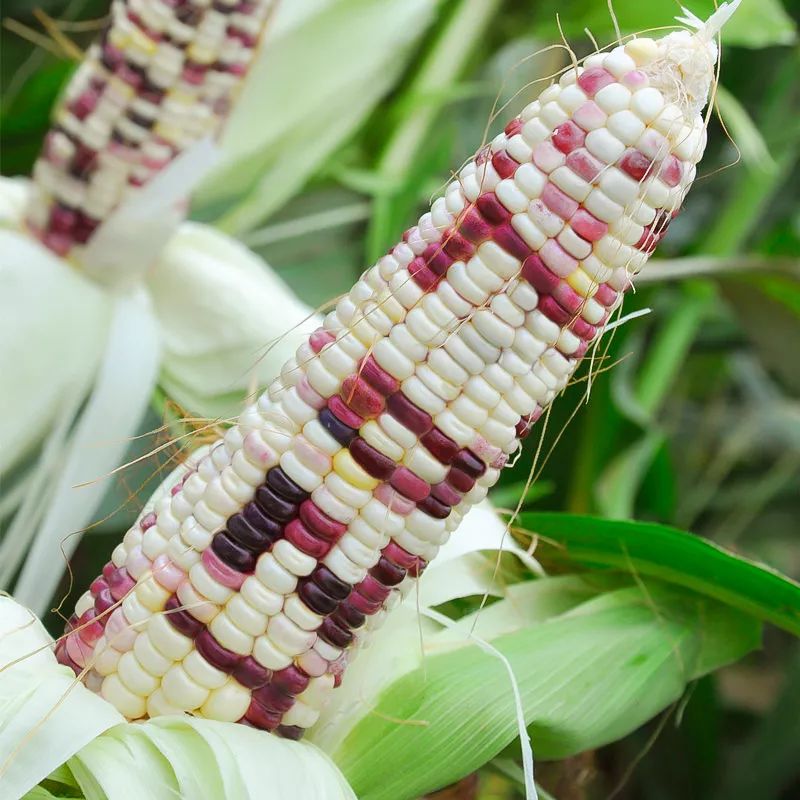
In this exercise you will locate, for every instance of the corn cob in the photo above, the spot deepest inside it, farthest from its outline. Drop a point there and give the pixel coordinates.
(243, 592)
(162, 76)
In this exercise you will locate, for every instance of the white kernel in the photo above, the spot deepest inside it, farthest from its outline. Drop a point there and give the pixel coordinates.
(511, 196)
(228, 703)
(552, 115)
(619, 187)
(534, 131)
(570, 183)
(572, 97)
(268, 655)
(618, 62)
(626, 126)
(599, 204)
(297, 562)
(602, 144)
(573, 244)
(612, 98)
(530, 180)
(647, 103)
(519, 149)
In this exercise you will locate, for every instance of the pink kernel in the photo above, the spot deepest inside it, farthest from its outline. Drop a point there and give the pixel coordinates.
(308, 395)
(166, 573)
(492, 209)
(593, 80)
(559, 202)
(504, 164)
(220, 572)
(437, 258)
(584, 164)
(568, 298)
(568, 136)
(78, 650)
(513, 127)
(320, 338)
(148, 521)
(393, 500)
(590, 116)
(457, 247)
(538, 275)
(557, 258)
(474, 227)
(583, 329)
(546, 157)
(635, 79)
(671, 171)
(424, 277)
(636, 164)
(89, 628)
(605, 295)
(511, 241)
(410, 485)
(587, 226)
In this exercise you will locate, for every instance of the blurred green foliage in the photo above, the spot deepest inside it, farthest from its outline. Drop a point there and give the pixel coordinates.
(697, 425)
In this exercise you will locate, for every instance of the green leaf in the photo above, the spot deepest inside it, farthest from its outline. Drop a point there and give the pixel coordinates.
(619, 484)
(588, 670)
(651, 550)
(745, 133)
(768, 308)
(757, 23)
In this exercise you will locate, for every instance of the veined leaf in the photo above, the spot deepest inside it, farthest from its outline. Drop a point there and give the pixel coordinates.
(589, 671)
(651, 550)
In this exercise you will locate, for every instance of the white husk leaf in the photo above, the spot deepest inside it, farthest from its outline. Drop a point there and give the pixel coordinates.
(335, 60)
(187, 757)
(46, 716)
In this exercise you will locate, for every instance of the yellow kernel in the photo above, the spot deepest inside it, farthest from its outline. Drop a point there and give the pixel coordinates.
(346, 467)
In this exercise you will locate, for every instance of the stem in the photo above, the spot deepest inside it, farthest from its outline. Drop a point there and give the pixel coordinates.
(441, 67)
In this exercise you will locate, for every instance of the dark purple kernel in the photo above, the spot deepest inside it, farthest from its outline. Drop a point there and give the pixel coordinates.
(294, 732)
(441, 447)
(331, 633)
(316, 598)
(260, 520)
(387, 573)
(467, 461)
(272, 698)
(343, 434)
(274, 506)
(242, 532)
(434, 508)
(285, 486)
(347, 616)
(406, 413)
(181, 619)
(459, 480)
(233, 554)
(332, 585)
(371, 460)
(291, 680)
(251, 674)
(216, 655)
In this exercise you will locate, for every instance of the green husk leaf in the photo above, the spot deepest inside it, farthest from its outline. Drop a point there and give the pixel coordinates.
(589, 672)
(649, 550)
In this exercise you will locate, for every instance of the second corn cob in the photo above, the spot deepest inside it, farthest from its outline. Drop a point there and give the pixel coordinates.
(245, 589)
(163, 76)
